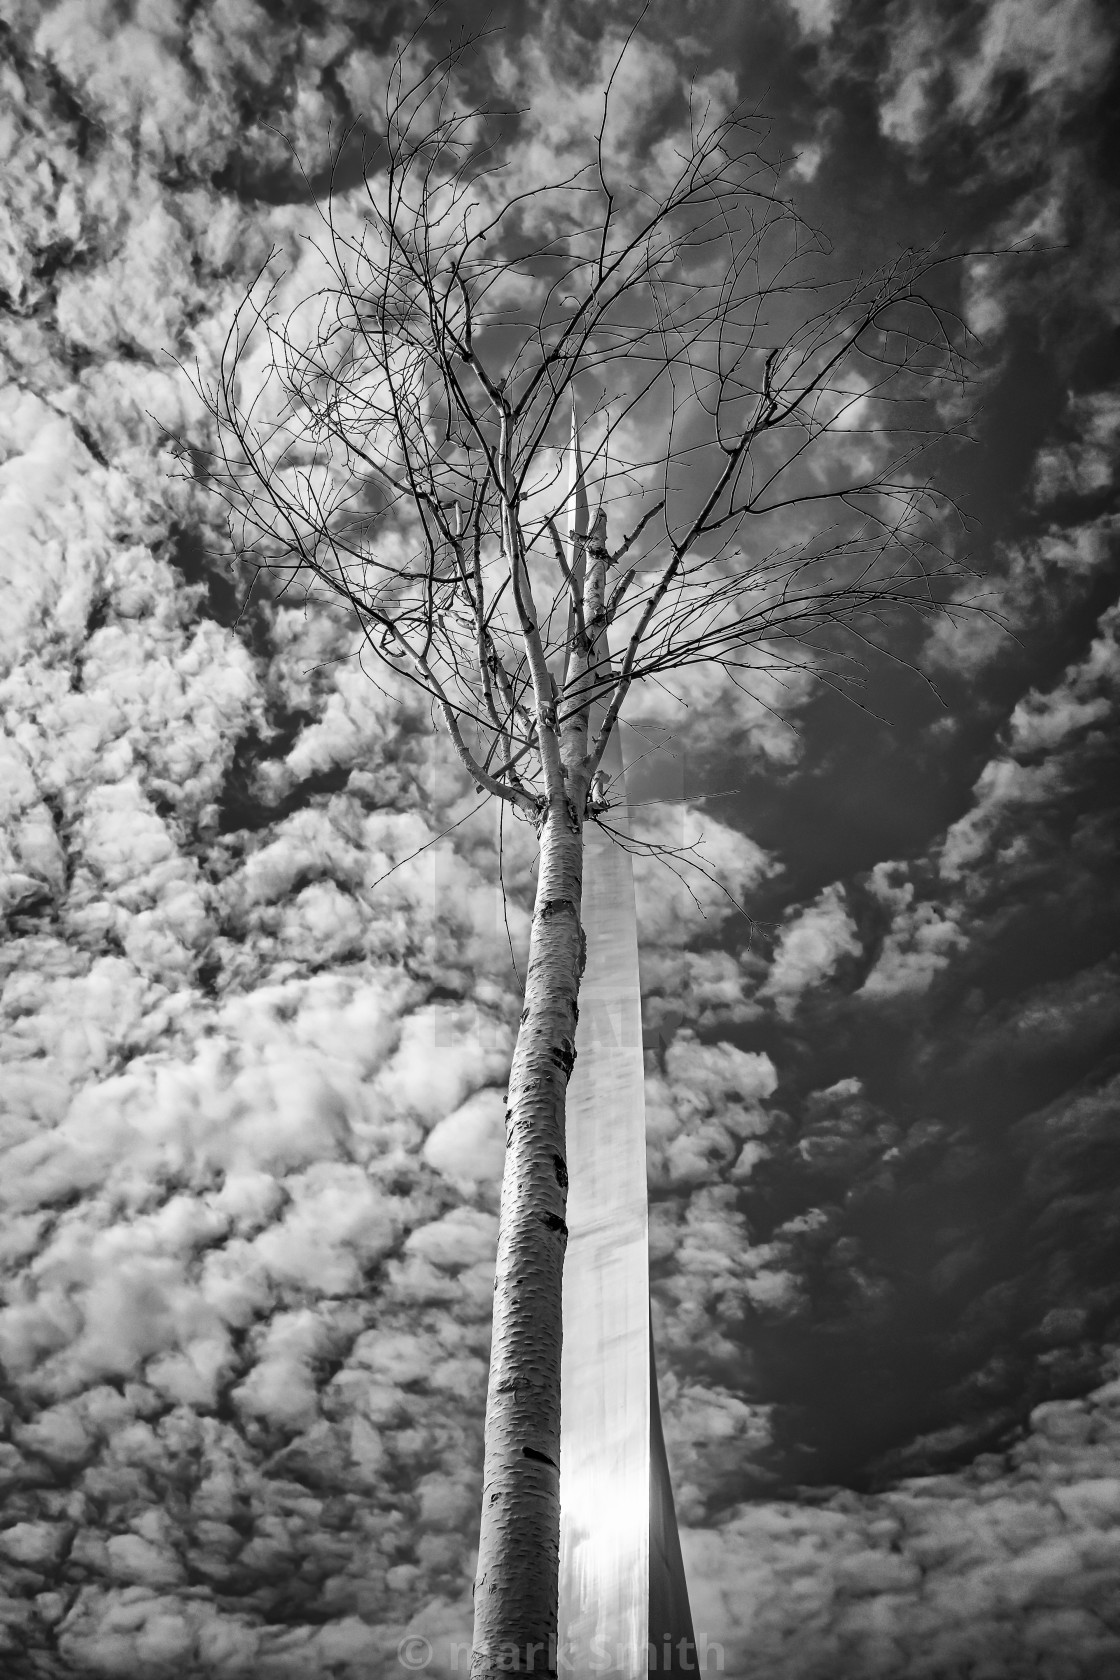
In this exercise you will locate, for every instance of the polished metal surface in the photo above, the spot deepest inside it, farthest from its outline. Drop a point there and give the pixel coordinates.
(605, 1379)
(624, 1609)
(605, 1410)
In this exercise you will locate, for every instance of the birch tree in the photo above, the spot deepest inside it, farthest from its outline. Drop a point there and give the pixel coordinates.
(399, 441)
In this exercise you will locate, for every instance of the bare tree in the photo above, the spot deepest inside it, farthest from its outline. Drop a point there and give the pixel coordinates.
(397, 439)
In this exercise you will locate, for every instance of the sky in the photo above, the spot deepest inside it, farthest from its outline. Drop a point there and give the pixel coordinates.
(252, 1091)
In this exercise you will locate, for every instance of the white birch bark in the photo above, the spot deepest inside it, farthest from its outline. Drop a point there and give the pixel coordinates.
(516, 1584)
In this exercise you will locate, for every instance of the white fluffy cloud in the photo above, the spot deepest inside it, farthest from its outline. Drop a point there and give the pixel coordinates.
(810, 947)
(689, 867)
(469, 1143)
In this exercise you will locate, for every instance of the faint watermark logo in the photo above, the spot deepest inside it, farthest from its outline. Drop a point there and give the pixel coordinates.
(415, 1652)
(684, 1656)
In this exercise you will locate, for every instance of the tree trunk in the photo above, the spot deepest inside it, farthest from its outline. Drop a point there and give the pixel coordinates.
(516, 1586)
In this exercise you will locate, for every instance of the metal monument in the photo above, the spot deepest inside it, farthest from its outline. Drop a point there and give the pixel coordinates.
(624, 1608)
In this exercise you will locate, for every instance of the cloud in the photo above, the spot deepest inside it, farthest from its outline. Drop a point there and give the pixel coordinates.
(1076, 1012)
(807, 161)
(173, 82)
(1030, 578)
(705, 1112)
(1087, 464)
(1055, 48)
(714, 1074)
(1052, 568)
(694, 877)
(468, 1145)
(704, 711)
(112, 305)
(559, 73)
(689, 867)
(984, 1566)
(921, 941)
(710, 989)
(810, 948)
(1006, 95)
(41, 489)
(1053, 739)
(815, 18)
(713, 1433)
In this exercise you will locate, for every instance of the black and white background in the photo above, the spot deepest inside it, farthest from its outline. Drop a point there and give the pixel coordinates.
(251, 1103)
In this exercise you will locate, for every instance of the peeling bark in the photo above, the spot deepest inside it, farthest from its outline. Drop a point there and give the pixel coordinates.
(516, 1586)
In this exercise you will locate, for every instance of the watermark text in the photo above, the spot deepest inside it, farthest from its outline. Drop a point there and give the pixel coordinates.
(449, 1656)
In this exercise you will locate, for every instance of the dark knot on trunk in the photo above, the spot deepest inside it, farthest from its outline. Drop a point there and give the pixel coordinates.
(564, 1056)
(555, 907)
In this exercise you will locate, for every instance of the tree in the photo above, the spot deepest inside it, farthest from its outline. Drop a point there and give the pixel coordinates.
(397, 440)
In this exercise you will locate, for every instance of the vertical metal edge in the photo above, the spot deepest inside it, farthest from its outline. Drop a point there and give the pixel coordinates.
(672, 1640)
